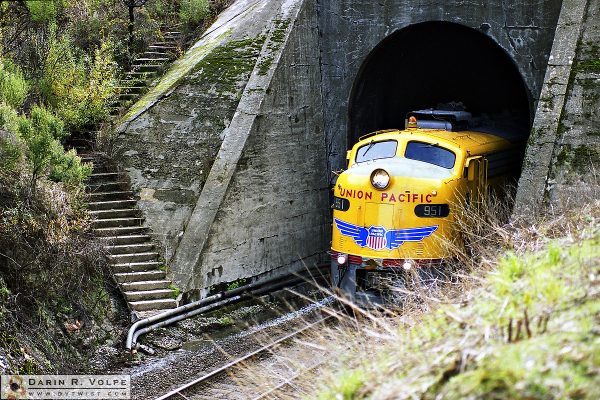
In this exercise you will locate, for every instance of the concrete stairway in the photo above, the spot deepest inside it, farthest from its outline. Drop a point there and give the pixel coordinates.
(134, 258)
(145, 69)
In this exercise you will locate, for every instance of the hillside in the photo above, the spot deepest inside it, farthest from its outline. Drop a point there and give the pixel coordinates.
(525, 325)
(61, 66)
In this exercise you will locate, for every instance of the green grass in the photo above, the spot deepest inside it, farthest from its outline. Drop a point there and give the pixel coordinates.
(530, 330)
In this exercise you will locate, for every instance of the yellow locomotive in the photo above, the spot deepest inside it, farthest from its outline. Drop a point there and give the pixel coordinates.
(393, 205)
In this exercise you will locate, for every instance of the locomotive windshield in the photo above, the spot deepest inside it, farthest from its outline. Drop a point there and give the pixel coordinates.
(376, 150)
(430, 153)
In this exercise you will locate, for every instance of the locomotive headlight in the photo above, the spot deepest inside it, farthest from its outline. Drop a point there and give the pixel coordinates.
(380, 179)
(342, 258)
(407, 265)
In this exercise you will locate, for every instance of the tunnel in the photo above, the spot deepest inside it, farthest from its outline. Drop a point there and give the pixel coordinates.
(438, 65)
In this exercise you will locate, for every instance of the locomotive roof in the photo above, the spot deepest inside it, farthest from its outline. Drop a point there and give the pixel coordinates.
(472, 142)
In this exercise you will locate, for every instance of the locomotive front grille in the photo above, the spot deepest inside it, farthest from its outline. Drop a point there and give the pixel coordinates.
(420, 249)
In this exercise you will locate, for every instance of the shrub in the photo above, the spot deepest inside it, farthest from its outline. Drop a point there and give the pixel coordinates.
(9, 118)
(77, 88)
(193, 12)
(50, 272)
(41, 135)
(67, 168)
(43, 11)
(13, 86)
(10, 152)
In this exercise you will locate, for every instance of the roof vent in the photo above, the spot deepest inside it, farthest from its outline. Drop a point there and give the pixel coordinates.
(441, 119)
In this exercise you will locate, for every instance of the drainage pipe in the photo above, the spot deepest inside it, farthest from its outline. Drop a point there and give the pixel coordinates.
(207, 304)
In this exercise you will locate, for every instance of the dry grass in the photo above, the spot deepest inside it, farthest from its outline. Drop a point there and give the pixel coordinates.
(53, 294)
(518, 320)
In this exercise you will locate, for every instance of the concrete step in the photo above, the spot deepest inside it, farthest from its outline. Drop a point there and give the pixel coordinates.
(162, 47)
(133, 257)
(89, 158)
(131, 89)
(100, 166)
(145, 285)
(139, 75)
(111, 204)
(106, 177)
(136, 267)
(149, 295)
(117, 222)
(121, 231)
(81, 150)
(161, 304)
(111, 214)
(130, 248)
(165, 43)
(151, 60)
(110, 196)
(147, 67)
(157, 54)
(127, 239)
(97, 187)
(142, 276)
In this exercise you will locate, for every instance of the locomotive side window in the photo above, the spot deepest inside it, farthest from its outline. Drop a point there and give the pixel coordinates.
(430, 153)
(376, 150)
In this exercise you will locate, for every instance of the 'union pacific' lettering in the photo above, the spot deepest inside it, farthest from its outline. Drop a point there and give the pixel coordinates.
(406, 197)
(355, 194)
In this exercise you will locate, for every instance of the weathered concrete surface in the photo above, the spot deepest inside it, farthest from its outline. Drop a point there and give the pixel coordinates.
(264, 205)
(169, 139)
(563, 157)
(229, 160)
(351, 29)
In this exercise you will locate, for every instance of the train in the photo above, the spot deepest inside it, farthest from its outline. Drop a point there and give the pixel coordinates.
(395, 206)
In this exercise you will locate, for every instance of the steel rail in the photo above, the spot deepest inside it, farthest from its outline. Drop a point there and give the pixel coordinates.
(220, 370)
(288, 381)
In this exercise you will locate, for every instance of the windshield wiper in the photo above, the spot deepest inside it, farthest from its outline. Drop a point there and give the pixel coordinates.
(369, 147)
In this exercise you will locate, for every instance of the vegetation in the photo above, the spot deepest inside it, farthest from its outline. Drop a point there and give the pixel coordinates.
(193, 12)
(522, 322)
(59, 66)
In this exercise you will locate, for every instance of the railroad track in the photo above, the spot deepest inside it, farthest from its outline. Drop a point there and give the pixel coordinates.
(221, 383)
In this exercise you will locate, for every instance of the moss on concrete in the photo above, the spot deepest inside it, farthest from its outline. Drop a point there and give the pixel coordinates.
(278, 35)
(229, 64)
(589, 65)
(178, 70)
(584, 158)
(578, 159)
(276, 40)
(265, 64)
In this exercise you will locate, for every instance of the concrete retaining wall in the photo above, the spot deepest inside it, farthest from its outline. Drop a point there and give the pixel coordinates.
(563, 158)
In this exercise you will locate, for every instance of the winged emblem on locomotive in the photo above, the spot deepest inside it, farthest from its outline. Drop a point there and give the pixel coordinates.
(378, 238)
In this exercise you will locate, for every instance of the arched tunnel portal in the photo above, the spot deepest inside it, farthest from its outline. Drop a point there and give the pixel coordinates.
(432, 63)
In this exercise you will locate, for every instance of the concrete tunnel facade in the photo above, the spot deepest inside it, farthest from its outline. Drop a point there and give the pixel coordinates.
(233, 179)
(430, 64)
